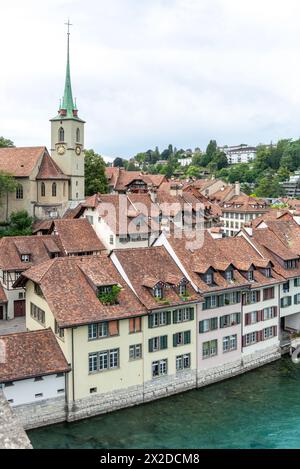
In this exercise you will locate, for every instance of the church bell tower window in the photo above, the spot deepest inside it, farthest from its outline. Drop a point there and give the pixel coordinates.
(61, 135)
(78, 135)
(54, 189)
(43, 189)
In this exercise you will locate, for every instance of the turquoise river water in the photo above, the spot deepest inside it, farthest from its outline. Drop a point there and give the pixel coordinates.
(260, 409)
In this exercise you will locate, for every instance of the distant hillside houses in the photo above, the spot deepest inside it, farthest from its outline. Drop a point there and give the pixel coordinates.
(239, 153)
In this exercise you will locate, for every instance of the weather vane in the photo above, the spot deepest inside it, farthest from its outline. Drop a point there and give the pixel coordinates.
(68, 24)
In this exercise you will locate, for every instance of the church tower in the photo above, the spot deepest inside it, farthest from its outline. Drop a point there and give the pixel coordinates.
(67, 138)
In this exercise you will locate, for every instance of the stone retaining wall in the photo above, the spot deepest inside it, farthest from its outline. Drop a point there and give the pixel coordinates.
(42, 413)
(12, 434)
(55, 410)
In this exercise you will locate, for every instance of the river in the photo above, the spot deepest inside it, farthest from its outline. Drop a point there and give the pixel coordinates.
(260, 409)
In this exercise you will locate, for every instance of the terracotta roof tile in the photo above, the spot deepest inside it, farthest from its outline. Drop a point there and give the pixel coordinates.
(40, 249)
(69, 286)
(21, 161)
(31, 354)
(77, 236)
(49, 169)
(145, 267)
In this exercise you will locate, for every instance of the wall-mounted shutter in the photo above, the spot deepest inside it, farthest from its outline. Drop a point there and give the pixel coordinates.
(238, 318)
(187, 337)
(150, 321)
(281, 303)
(131, 325)
(201, 327)
(244, 341)
(289, 300)
(175, 340)
(113, 327)
(295, 299)
(221, 300)
(275, 331)
(150, 345)
(163, 342)
(138, 324)
(174, 316)
(258, 296)
(192, 314)
(260, 336)
(275, 311)
(169, 317)
(247, 319)
(259, 316)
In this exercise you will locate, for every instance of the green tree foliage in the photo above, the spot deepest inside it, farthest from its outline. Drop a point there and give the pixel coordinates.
(211, 149)
(20, 224)
(95, 178)
(7, 183)
(118, 162)
(5, 142)
(269, 186)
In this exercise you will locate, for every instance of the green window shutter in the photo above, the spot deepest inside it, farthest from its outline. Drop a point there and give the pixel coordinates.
(295, 282)
(238, 297)
(150, 345)
(295, 299)
(201, 327)
(221, 300)
(222, 321)
(163, 342)
(174, 317)
(213, 324)
(169, 317)
(238, 318)
(174, 340)
(187, 337)
(281, 302)
(150, 321)
(290, 300)
(192, 315)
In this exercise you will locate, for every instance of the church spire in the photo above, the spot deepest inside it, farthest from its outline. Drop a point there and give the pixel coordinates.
(68, 103)
(67, 108)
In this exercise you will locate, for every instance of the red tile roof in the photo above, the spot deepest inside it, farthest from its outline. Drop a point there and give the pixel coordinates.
(21, 161)
(50, 170)
(77, 236)
(31, 354)
(145, 267)
(40, 248)
(69, 286)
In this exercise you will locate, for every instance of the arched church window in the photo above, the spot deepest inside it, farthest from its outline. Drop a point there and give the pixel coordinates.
(43, 189)
(19, 191)
(61, 135)
(54, 189)
(78, 135)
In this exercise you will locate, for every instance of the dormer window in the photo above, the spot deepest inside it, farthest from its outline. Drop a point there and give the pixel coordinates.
(250, 276)
(182, 289)
(158, 291)
(268, 272)
(208, 279)
(25, 257)
(292, 264)
(108, 294)
(229, 275)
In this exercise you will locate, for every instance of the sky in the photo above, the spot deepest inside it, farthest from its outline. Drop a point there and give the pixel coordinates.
(152, 72)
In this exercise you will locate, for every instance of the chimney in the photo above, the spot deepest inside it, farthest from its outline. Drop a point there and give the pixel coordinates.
(237, 188)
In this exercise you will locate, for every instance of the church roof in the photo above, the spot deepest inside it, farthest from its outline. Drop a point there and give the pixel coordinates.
(49, 169)
(21, 161)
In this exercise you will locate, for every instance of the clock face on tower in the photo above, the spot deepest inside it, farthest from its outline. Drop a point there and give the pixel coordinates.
(61, 150)
(78, 150)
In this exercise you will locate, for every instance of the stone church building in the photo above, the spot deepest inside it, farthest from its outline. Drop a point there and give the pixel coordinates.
(48, 184)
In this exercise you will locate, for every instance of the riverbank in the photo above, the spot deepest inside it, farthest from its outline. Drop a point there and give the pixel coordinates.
(260, 409)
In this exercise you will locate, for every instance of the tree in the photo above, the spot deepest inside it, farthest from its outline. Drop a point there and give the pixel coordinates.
(193, 171)
(4, 143)
(95, 178)
(118, 162)
(20, 224)
(211, 149)
(269, 186)
(283, 174)
(7, 183)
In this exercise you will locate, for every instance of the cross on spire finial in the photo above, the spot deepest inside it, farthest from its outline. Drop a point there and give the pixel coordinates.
(68, 24)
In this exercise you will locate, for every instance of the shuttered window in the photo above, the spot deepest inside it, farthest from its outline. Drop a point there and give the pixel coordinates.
(268, 293)
(158, 343)
(208, 325)
(135, 325)
(286, 301)
(159, 319)
(181, 338)
(183, 315)
(230, 320)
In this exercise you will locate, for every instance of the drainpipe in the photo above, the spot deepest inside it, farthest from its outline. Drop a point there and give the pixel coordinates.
(73, 382)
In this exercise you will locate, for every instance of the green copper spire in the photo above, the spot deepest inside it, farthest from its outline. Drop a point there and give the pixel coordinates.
(68, 103)
(67, 108)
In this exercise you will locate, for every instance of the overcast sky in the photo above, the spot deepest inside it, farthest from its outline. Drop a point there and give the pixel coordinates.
(152, 72)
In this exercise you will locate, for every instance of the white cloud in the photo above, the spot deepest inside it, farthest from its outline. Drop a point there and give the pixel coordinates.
(151, 73)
